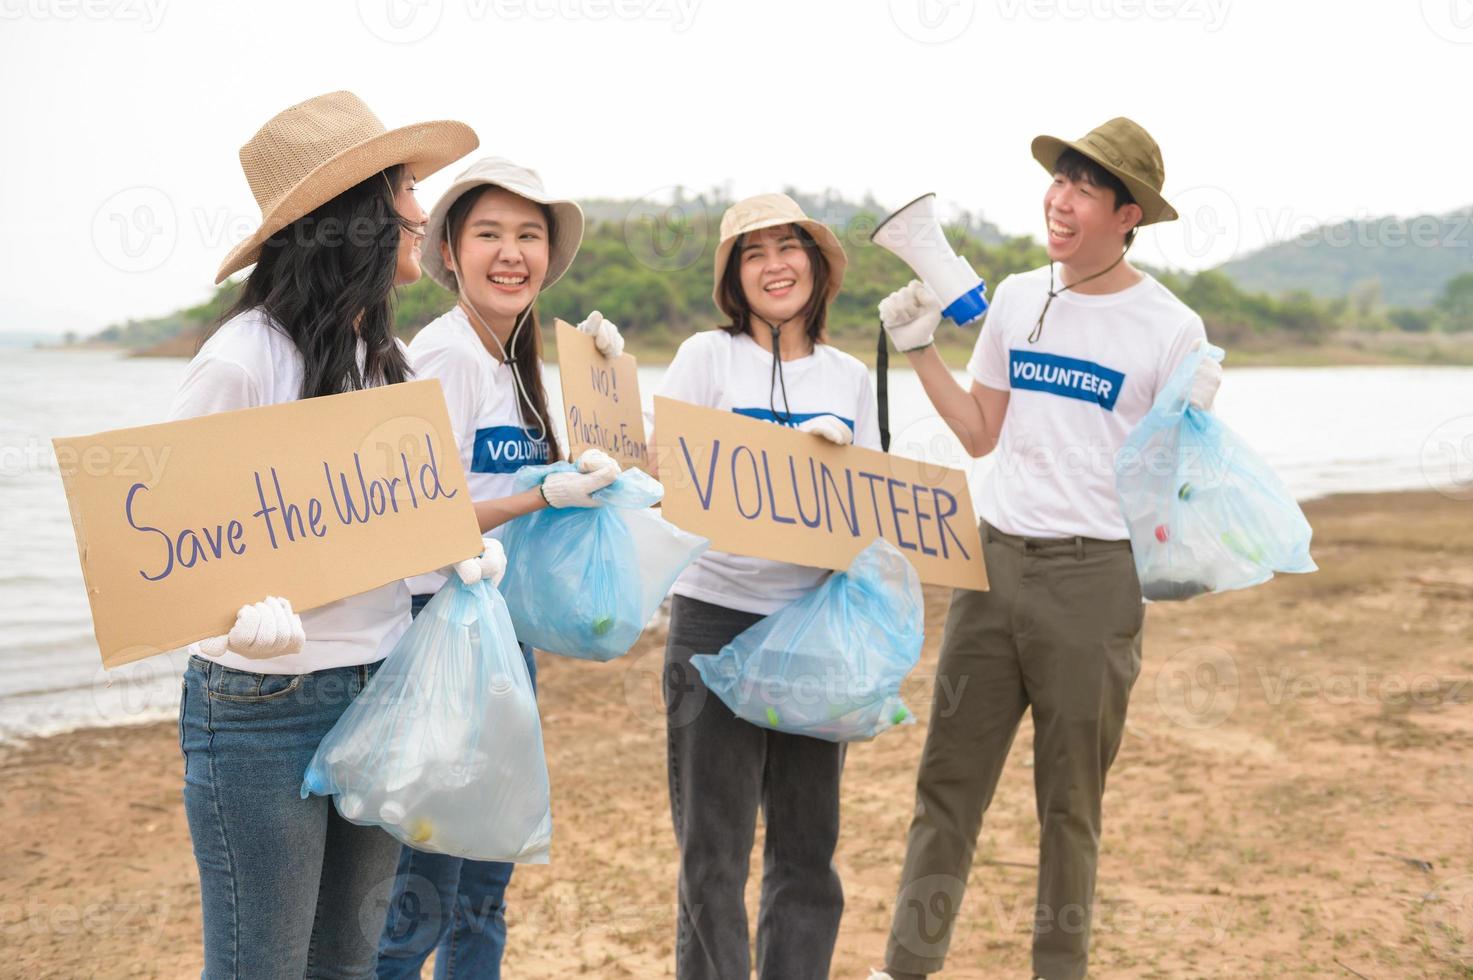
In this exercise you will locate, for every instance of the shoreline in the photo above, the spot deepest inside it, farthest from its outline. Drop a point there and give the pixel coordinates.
(19, 740)
(1371, 350)
(1310, 813)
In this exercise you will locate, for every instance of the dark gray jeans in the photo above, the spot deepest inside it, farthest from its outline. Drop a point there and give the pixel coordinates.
(721, 770)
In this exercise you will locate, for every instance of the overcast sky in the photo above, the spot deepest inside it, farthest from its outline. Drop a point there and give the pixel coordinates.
(122, 189)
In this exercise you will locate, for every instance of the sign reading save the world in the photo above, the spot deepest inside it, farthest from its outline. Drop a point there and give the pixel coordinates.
(313, 500)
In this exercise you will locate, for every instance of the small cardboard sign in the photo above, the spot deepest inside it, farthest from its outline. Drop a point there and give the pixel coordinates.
(180, 524)
(600, 400)
(764, 490)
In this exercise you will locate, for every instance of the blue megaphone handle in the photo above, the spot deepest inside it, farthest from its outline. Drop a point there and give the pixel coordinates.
(967, 307)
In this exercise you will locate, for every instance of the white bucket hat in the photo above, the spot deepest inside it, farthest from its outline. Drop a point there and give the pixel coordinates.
(567, 217)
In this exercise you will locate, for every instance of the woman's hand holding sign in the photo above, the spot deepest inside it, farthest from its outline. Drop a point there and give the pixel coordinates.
(262, 630)
(829, 427)
(605, 334)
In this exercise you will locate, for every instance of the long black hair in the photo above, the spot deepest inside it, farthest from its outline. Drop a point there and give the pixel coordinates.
(327, 279)
(526, 348)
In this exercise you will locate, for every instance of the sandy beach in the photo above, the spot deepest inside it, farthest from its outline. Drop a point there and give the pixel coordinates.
(1294, 798)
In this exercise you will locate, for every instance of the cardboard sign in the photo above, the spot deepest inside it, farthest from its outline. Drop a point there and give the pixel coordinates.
(179, 525)
(600, 400)
(764, 490)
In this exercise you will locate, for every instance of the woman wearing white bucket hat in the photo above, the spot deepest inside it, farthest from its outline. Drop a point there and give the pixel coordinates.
(496, 239)
(285, 881)
(776, 271)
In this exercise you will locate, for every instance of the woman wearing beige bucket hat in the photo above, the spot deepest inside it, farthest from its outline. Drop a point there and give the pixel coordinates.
(776, 272)
(286, 884)
(496, 239)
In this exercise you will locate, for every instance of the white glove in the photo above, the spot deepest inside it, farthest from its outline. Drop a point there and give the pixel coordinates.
(910, 316)
(1205, 382)
(605, 334)
(596, 470)
(262, 630)
(830, 428)
(491, 566)
(592, 460)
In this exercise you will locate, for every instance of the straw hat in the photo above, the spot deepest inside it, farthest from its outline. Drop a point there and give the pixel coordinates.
(567, 217)
(309, 154)
(769, 211)
(1123, 147)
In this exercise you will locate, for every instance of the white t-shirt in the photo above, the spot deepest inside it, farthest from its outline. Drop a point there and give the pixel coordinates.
(249, 363)
(734, 373)
(1075, 396)
(485, 413)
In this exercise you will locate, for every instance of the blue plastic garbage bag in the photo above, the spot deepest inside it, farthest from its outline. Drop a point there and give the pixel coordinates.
(1205, 512)
(584, 581)
(830, 664)
(443, 747)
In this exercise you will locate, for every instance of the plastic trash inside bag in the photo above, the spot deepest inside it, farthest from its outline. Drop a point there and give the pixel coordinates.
(584, 581)
(443, 747)
(1205, 512)
(830, 664)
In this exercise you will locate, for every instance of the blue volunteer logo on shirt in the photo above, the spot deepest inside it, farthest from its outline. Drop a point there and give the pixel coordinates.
(794, 419)
(1065, 376)
(506, 449)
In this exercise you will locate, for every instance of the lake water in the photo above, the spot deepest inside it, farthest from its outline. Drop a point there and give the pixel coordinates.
(1325, 430)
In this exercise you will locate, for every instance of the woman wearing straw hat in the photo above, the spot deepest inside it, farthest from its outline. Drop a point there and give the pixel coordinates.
(496, 239)
(776, 272)
(287, 884)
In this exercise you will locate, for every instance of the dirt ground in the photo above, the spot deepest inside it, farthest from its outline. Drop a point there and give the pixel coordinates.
(1294, 798)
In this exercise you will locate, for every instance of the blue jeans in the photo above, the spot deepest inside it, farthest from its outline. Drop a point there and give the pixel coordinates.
(449, 905)
(288, 887)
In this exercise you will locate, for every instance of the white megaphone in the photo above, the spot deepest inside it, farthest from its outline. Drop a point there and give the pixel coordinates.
(914, 234)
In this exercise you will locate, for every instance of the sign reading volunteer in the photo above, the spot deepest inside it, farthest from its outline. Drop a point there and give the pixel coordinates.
(767, 491)
(600, 400)
(313, 500)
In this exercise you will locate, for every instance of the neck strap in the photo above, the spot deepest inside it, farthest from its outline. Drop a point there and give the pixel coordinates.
(1052, 292)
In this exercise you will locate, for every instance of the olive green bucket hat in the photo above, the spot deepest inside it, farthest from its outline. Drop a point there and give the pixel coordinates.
(1123, 147)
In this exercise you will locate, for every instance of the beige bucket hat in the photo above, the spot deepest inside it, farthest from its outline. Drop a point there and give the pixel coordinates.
(310, 153)
(769, 211)
(567, 217)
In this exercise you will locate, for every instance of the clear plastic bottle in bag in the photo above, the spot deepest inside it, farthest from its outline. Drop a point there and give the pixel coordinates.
(443, 747)
(1204, 511)
(830, 664)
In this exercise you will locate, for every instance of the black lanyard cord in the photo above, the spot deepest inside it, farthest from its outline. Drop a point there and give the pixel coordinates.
(882, 390)
(1038, 327)
(776, 379)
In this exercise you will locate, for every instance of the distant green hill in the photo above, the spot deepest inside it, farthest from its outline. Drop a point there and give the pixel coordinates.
(1404, 262)
(827, 207)
(647, 266)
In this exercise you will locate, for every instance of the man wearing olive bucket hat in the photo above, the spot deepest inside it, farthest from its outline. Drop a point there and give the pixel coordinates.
(1069, 359)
